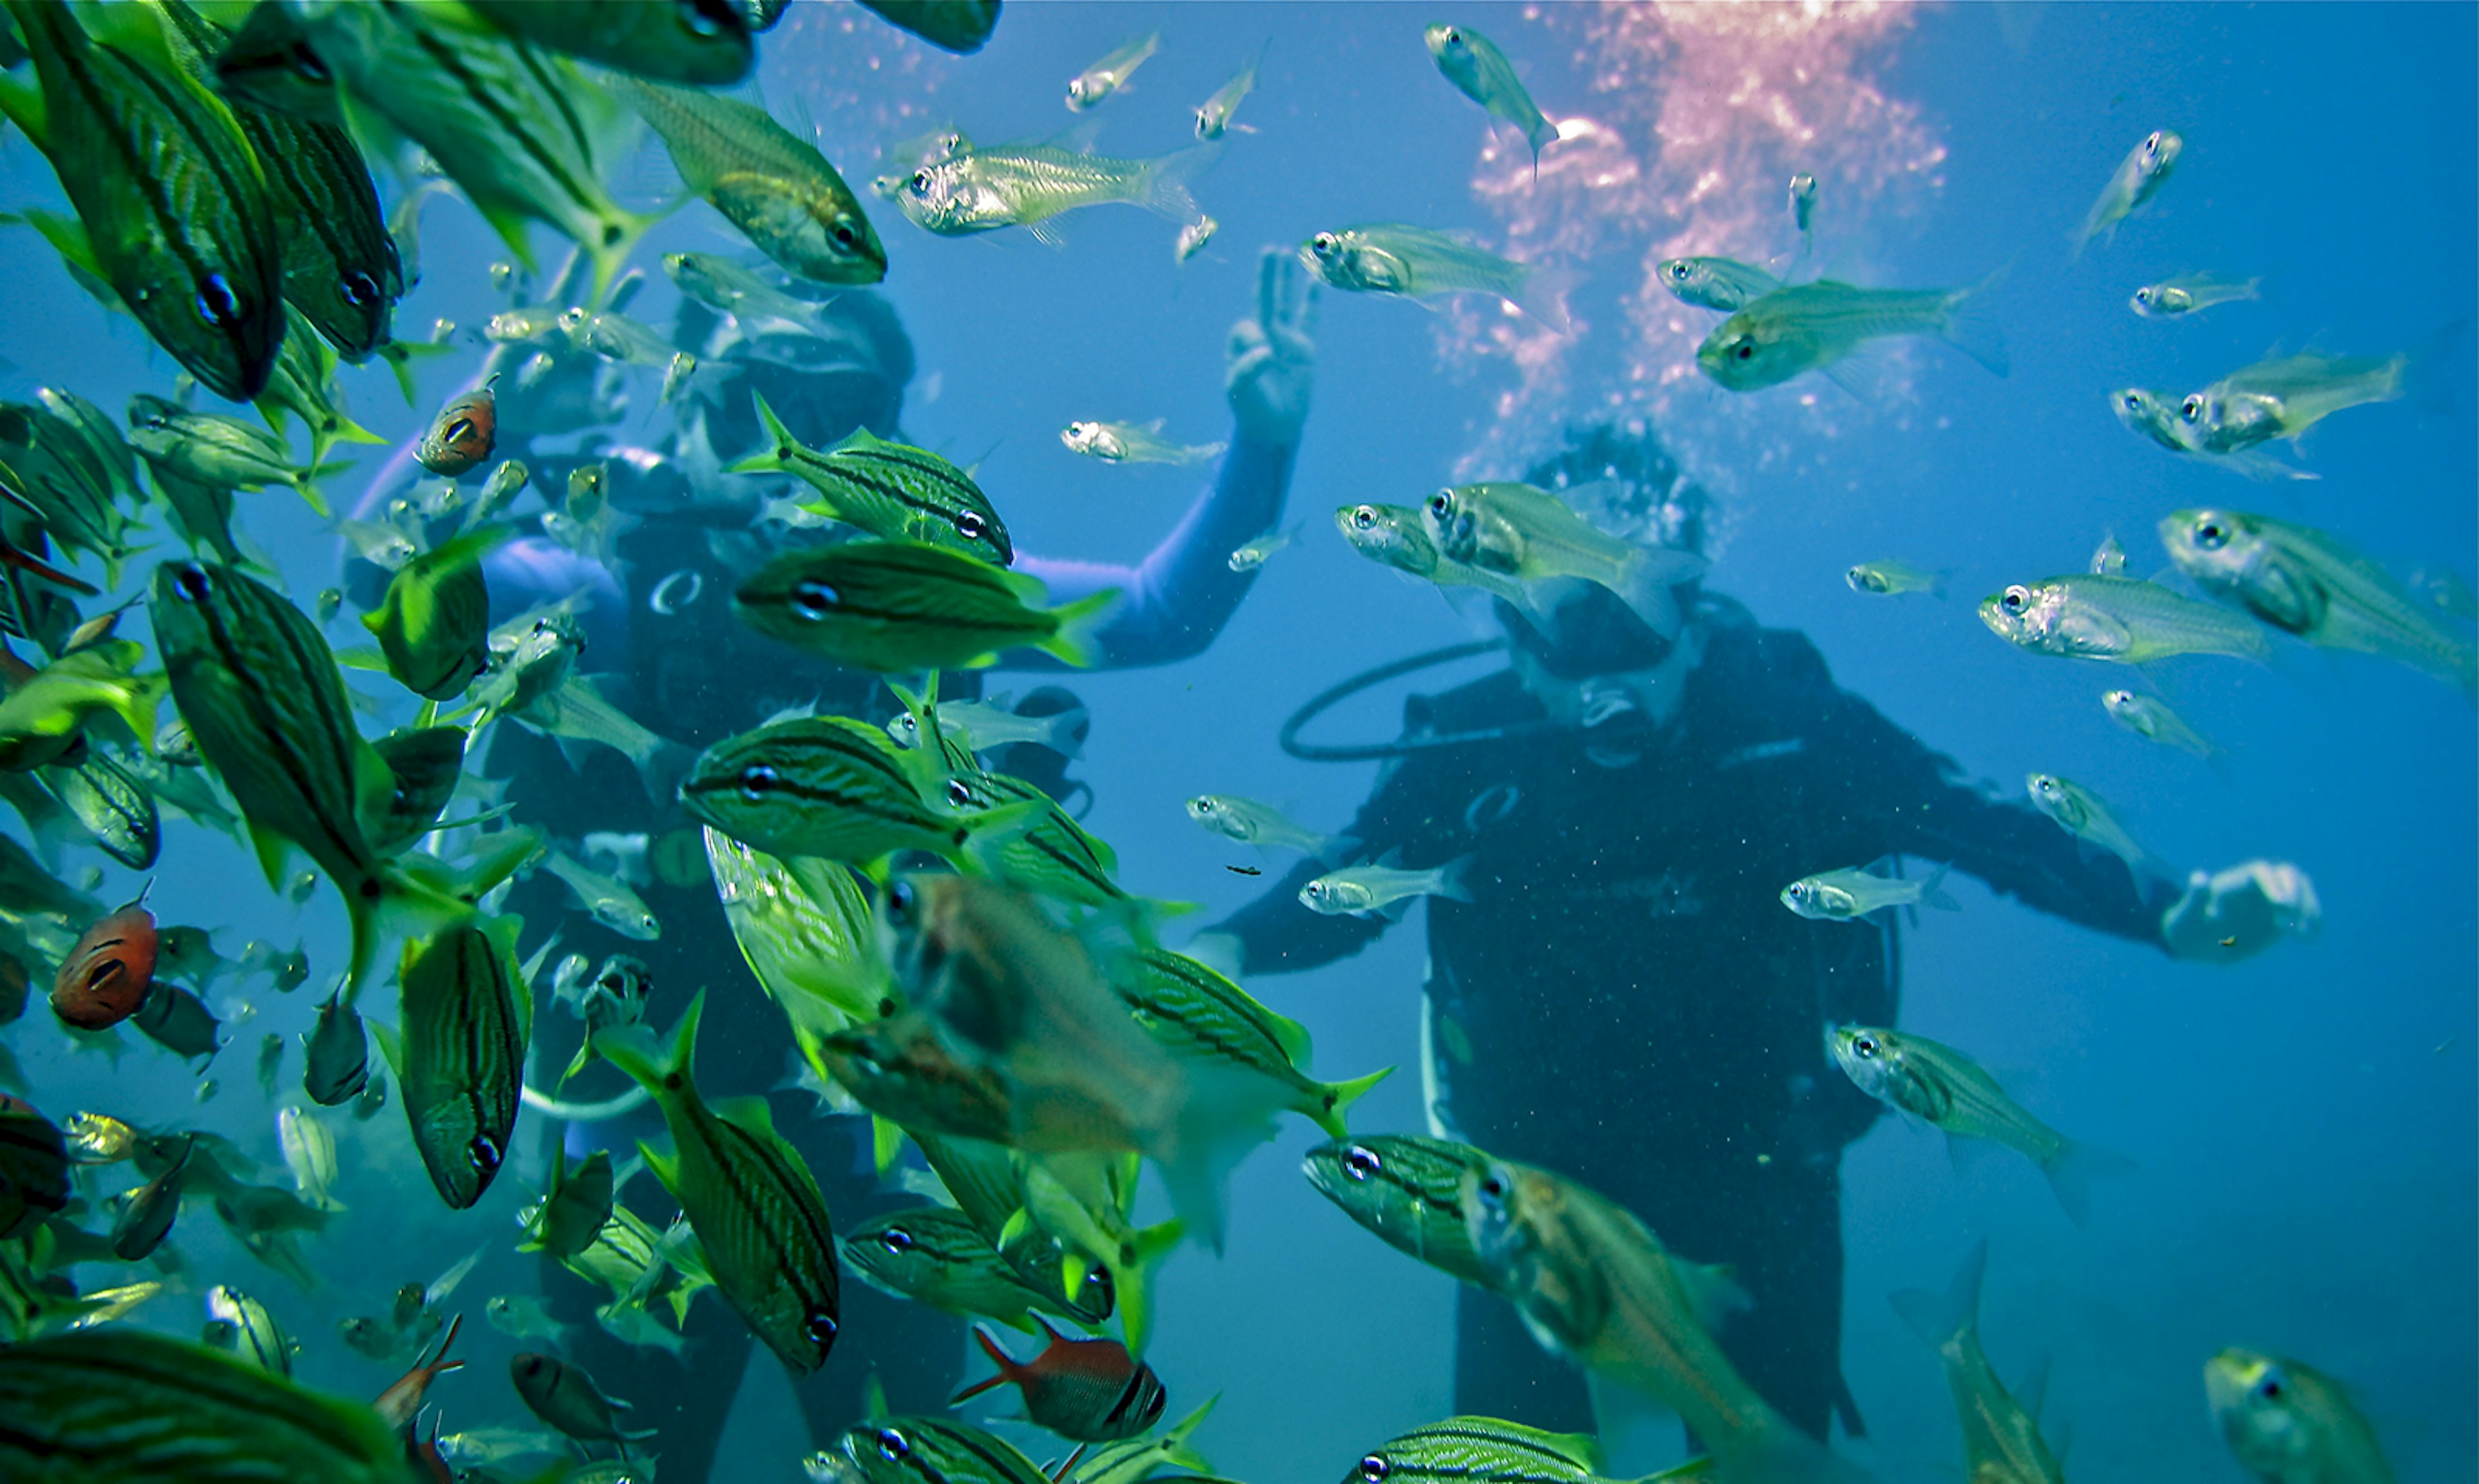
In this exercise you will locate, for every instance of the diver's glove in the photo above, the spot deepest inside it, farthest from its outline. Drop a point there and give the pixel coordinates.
(2241, 911)
(1272, 358)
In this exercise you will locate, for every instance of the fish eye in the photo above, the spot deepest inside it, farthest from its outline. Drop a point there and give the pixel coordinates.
(1679, 270)
(358, 289)
(2269, 1388)
(1866, 1047)
(758, 781)
(814, 600)
(957, 794)
(901, 899)
(2017, 599)
(921, 183)
(217, 303)
(2143, 295)
(895, 1239)
(970, 526)
(1374, 1468)
(2134, 402)
(845, 236)
(1365, 518)
(1747, 351)
(483, 1154)
(707, 19)
(819, 1327)
(1315, 889)
(2192, 408)
(190, 583)
(1441, 505)
(1454, 38)
(1324, 244)
(2212, 535)
(1493, 1186)
(1360, 1162)
(1797, 888)
(891, 1446)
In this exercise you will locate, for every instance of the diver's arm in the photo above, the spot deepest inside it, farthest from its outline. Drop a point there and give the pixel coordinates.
(1175, 601)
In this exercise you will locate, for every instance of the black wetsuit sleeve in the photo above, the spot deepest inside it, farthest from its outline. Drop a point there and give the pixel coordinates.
(1279, 933)
(1925, 809)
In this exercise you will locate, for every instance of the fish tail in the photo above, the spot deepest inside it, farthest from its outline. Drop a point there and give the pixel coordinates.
(1972, 329)
(1341, 1095)
(1540, 133)
(390, 902)
(634, 1050)
(1162, 186)
(765, 462)
(1643, 581)
(1453, 880)
(1542, 293)
(1059, 734)
(1932, 890)
(999, 1358)
(2071, 1170)
(661, 765)
(1940, 1318)
(1078, 639)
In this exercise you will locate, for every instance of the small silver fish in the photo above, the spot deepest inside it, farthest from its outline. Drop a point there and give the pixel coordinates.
(608, 898)
(1251, 556)
(1251, 823)
(1382, 890)
(2173, 298)
(1131, 443)
(1193, 238)
(310, 1154)
(1854, 892)
(2080, 812)
(1214, 114)
(1389, 257)
(2150, 716)
(1724, 284)
(1112, 73)
(2138, 177)
(1893, 580)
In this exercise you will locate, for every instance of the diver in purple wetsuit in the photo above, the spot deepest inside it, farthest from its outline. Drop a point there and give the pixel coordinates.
(695, 675)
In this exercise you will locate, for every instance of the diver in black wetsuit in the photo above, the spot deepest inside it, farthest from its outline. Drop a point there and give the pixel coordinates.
(695, 676)
(1626, 1000)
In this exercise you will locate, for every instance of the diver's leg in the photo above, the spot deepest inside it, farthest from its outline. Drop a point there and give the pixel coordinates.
(1501, 1371)
(685, 1399)
(916, 1352)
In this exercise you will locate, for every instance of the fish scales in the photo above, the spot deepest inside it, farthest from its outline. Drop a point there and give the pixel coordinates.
(464, 1055)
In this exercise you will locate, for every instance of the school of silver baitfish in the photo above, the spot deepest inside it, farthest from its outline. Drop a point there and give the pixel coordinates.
(950, 950)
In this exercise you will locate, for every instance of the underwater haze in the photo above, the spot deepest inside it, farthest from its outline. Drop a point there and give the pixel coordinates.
(2286, 1151)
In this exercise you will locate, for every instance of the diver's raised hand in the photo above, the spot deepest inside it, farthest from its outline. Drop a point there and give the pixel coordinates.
(1273, 358)
(2241, 911)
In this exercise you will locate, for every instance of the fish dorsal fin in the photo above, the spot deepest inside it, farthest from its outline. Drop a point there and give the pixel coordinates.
(749, 1115)
(1886, 866)
(2034, 1388)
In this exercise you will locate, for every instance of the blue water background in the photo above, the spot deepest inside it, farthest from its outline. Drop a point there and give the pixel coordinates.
(2303, 1123)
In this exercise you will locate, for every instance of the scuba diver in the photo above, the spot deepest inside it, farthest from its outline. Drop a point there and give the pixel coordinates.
(662, 644)
(1623, 997)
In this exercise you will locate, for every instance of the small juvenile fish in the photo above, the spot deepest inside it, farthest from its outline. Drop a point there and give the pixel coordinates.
(2282, 399)
(1528, 534)
(2080, 812)
(1802, 204)
(2150, 716)
(1812, 326)
(2108, 558)
(1251, 823)
(98, 1139)
(2000, 1439)
(2306, 582)
(2139, 177)
(1379, 890)
(1481, 72)
(1950, 1092)
(575, 1205)
(147, 1217)
(1025, 186)
(1193, 238)
(526, 1317)
(2121, 620)
(1386, 257)
(2173, 297)
(1130, 443)
(989, 724)
(255, 1335)
(1397, 536)
(1893, 580)
(1086, 1391)
(1253, 554)
(719, 283)
(463, 434)
(309, 1153)
(1214, 114)
(609, 899)
(1854, 892)
(2287, 1422)
(2155, 416)
(1724, 284)
(1112, 73)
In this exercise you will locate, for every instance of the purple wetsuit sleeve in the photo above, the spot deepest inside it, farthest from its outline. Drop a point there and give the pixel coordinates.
(1174, 601)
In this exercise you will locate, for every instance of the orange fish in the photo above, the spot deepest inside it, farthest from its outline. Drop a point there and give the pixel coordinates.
(400, 1404)
(1086, 1391)
(106, 976)
(463, 434)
